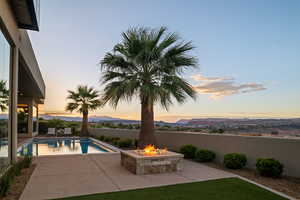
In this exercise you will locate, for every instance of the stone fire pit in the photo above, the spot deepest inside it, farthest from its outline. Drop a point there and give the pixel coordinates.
(151, 164)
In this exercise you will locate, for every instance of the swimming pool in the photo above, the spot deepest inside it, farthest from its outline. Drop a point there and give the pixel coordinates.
(62, 146)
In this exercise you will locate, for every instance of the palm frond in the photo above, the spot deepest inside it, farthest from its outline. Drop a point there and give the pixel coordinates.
(4, 96)
(83, 99)
(147, 64)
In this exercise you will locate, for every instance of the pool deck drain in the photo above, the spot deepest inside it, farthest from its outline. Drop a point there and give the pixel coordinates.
(73, 175)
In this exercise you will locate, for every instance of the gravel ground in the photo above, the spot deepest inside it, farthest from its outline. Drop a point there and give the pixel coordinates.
(19, 184)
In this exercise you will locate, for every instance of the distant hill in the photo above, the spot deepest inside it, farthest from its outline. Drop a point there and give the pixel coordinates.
(96, 119)
(240, 122)
(183, 121)
(77, 119)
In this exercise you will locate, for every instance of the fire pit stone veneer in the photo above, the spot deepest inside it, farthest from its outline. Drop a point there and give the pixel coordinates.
(151, 164)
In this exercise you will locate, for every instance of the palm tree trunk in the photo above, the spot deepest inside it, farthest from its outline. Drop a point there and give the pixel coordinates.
(147, 125)
(84, 125)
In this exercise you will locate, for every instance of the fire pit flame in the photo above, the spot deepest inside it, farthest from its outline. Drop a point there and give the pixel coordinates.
(150, 150)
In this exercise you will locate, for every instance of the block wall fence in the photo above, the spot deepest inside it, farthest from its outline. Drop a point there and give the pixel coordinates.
(286, 150)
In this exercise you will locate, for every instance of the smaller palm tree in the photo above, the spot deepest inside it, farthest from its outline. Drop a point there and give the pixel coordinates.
(83, 100)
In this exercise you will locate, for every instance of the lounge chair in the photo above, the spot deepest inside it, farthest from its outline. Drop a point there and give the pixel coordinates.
(51, 131)
(67, 131)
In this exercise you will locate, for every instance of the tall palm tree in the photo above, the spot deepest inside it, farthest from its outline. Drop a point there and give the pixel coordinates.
(148, 64)
(83, 100)
(4, 94)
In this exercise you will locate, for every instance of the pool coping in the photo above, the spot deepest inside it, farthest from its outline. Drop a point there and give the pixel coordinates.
(115, 149)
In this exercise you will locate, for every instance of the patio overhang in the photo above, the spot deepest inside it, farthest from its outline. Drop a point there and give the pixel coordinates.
(28, 85)
(27, 13)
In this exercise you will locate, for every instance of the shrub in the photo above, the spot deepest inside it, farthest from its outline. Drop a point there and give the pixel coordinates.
(14, 170)
(204, 155)
(26, 162)
(125, 143)
(5, 183)
(188, 151)
(115, 142)
(115, 138)
(219, 130)
(136, 143)
(269, 167)
(274, 133)
(108, 139)
(102, 137)
(196, 130)
(235, 160)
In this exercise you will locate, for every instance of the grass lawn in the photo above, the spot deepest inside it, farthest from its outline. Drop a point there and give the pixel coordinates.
(224, 189)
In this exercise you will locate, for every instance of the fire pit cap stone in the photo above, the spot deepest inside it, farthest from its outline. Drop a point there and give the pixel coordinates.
(136, 155)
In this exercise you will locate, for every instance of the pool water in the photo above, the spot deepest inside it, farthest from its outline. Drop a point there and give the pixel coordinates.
(62, 146)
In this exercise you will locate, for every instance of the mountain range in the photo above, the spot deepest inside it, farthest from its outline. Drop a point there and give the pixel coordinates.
(96, 119)
(91, 118)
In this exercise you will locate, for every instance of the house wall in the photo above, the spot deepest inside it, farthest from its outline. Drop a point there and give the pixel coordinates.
(283, 149)
(20, 48)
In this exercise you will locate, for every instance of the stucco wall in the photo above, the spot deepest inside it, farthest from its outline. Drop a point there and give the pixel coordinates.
(285, 150)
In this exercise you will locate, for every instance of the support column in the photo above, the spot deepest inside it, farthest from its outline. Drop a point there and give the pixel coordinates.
(30, 120)
(13, 134)
(37, 119)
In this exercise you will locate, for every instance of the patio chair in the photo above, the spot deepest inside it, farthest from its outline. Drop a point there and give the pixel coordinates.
(51, 131)
(67, 131)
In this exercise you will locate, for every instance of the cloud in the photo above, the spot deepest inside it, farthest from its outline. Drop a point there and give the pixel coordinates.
(219, 87)
(199, 77)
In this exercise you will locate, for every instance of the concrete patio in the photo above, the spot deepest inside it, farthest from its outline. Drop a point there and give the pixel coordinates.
(73, 175)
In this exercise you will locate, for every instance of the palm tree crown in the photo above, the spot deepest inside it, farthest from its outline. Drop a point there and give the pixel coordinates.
(148, 64)
(83, 99)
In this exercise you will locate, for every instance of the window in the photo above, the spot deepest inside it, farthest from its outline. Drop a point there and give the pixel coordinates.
(23, 115)
(5, 51)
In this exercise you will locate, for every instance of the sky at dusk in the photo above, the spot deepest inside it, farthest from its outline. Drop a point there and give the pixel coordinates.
(248, 51)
